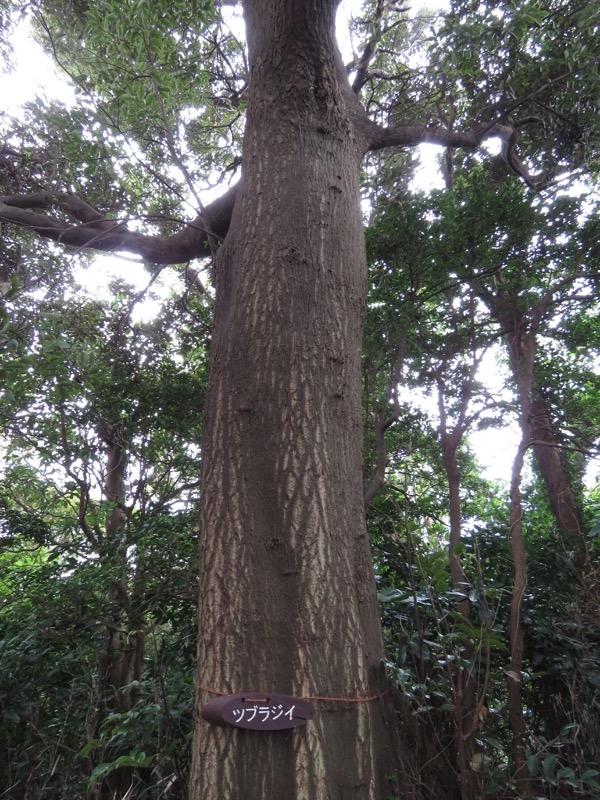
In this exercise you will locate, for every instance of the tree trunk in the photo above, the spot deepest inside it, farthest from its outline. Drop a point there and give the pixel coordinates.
(463, 679)
(122, 661)
(288, 601)
(522, 352)
(552, 469)
(514, 676)
(543, 441)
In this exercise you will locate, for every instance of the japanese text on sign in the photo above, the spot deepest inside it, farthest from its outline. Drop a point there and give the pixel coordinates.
(265, 713)
(258, 711)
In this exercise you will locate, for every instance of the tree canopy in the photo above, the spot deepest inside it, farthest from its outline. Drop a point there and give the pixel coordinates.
(228, 165)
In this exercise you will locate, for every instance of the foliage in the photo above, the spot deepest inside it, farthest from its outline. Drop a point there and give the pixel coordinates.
(87, 576)
(86, 371)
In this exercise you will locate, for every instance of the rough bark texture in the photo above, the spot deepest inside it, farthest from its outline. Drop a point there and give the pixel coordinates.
(288, 600)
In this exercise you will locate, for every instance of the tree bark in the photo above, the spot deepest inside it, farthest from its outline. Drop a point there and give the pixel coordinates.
(543, 439)
(463, 680)
(122, 660)
(514, 676)
(522, 353)
(548, 456)
(288, 599)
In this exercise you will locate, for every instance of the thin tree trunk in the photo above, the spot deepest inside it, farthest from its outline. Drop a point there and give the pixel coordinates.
(514, 675)
(463, 681)
(522, 351)
(288, 601)
(116, 662)
(544, 441)
(121, 663)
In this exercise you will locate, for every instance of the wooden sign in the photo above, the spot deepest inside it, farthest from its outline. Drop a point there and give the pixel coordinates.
(258, 712)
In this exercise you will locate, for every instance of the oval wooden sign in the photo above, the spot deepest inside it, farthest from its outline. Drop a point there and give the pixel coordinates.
(258, 711)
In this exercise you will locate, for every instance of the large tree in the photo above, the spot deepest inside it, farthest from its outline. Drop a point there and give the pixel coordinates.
(288, 601)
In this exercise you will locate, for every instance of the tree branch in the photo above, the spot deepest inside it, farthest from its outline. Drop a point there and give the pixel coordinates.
(379, 137)
(94, 231)
(360, 66)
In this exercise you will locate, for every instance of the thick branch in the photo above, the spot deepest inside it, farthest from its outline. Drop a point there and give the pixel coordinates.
(379, 137)
(412, 135)
(94, 231)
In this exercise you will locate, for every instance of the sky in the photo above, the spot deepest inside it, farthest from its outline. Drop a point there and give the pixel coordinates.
(35, 75)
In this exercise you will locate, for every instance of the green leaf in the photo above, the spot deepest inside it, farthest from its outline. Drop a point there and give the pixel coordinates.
(549, 766)
(88, 748)
(493, 788)
(385, 595)
(589, 773)
(568, 775)
(493, 742)
(134, 759)
(533, 765)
